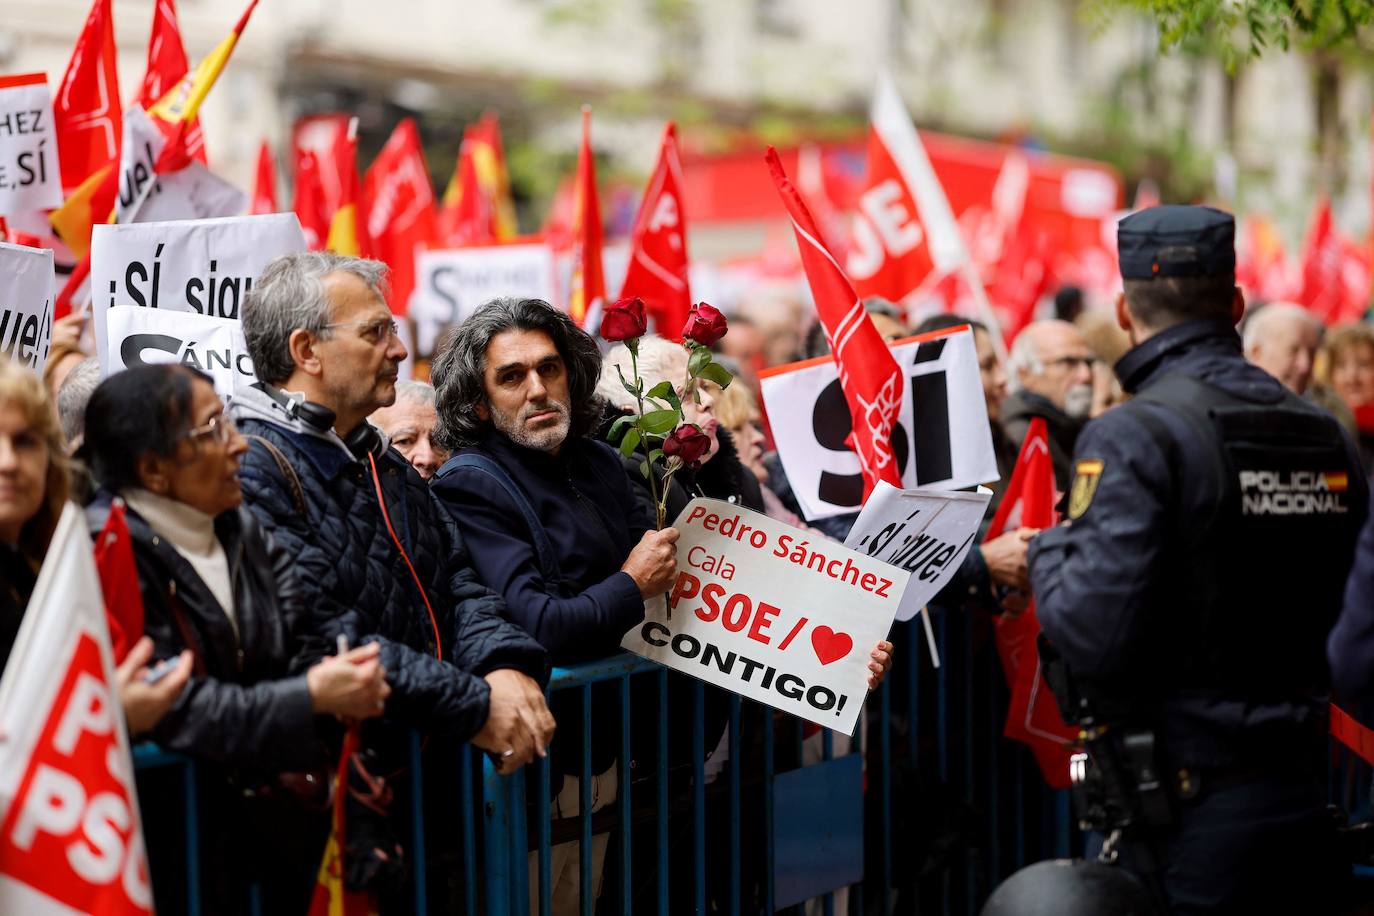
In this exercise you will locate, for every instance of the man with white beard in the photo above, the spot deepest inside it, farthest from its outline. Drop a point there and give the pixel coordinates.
(1051, 376)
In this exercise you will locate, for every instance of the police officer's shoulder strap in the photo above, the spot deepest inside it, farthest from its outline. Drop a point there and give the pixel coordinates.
(544, 556)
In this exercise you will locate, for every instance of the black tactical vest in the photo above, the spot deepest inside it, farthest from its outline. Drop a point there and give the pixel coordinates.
(1251, 587)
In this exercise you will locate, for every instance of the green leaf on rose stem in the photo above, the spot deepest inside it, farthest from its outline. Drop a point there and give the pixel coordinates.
(630, 442)
(674, 400)
(644, 468)
(717, 373)
(699, 360)
(618, 427)
(656, 454)
(658, 421)
(661, 390)
(633, 391)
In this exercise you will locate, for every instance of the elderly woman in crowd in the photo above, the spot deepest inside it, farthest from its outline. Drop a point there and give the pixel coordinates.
(217, 591)
(1345, 369)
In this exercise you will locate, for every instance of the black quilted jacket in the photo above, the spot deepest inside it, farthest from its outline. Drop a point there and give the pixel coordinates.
(357, 583)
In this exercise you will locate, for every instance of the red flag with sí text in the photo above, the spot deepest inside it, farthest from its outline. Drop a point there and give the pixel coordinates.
(167, 65)
(308, 202)
(869, 375)
(400, 209)
(264, 199)
(70, 835)
(1032, 715)
(587, 291)
(86, 109)
(657, 272)
(114, 561)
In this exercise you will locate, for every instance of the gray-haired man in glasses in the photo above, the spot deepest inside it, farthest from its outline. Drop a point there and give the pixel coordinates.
(1050, 374)
(381, 559)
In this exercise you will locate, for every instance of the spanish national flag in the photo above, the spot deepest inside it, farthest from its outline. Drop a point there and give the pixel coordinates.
(344, 237)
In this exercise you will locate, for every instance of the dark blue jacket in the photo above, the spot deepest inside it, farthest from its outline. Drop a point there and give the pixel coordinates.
(1103, 583)
(356, 582)
(592, 519)
(1350, 647)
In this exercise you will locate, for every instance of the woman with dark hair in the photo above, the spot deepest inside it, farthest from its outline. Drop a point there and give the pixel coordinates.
(33, 489)
(214, 585)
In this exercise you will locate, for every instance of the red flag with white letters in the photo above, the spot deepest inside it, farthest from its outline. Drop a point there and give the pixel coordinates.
(869, 375)
(70, 836)
(905, 235)
(657, 272)
(1032, 714)
(86, 110)
(400, 208)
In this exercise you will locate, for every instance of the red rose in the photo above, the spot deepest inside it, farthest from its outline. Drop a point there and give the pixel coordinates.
(624, 319)
(687, 443)
(705, 324)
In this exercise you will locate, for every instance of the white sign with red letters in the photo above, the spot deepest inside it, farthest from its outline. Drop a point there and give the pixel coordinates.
(772, 613)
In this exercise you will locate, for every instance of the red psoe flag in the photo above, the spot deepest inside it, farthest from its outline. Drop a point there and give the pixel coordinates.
(308, 202)
(167, 65)
(869, 375)
(1032, 715)
(264, 198)
(70, 835)
(657, 272)
(904, 229)
(86, 110)
(588, 288)
(400, 209)
(114, 561)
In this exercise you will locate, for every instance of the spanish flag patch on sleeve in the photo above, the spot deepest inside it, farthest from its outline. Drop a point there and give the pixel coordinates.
(1086, 474)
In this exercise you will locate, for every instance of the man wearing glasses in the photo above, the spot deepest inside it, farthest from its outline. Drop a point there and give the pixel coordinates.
(1051, 376)
(380, 559)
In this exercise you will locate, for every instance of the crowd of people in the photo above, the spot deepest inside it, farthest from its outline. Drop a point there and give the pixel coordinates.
(339, 546)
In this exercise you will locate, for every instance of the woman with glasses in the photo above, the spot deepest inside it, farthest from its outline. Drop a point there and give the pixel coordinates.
(214, 585)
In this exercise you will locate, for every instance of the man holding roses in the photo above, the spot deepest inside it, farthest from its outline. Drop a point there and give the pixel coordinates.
(549, 515)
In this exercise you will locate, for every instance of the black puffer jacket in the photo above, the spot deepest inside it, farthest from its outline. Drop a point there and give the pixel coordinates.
(357, 583)
(242, 707)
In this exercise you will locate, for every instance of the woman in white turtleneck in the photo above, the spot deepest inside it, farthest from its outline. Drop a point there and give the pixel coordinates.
(214, 585)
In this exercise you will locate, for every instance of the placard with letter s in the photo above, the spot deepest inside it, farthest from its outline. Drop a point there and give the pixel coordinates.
(942, 440)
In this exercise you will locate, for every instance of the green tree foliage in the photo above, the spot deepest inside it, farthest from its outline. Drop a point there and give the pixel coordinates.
(1237, 29)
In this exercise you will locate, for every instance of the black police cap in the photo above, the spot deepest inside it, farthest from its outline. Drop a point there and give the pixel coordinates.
(1177, 241)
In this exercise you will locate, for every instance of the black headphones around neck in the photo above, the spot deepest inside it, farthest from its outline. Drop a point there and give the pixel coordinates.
(363, 440)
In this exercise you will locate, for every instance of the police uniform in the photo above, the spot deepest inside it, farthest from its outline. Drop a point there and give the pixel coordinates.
(1210, 526)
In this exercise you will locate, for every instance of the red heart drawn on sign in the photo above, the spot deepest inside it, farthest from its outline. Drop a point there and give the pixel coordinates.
(829, 645)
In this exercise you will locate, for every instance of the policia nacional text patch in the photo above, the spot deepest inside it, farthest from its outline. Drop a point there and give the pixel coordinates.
(1086, 474)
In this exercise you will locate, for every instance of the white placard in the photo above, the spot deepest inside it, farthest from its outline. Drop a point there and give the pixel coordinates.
(26, 297)
(942, 439)
(190, 193)
(30, 177)
(450, 283)
(925, 532)
(204, 266)
(215, 346)
(772, 613)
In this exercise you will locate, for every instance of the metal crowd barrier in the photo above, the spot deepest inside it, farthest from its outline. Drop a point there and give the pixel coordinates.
(929, 807)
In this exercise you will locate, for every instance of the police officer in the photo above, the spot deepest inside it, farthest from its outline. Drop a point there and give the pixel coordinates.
(1210, 527)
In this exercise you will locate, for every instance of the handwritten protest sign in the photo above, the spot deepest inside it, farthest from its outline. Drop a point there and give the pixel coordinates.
(206, 267)
(26, 297)
(215, 346)
(30, 177)
(452, 282)
(925, 532)
(772, 613)
(942, 439)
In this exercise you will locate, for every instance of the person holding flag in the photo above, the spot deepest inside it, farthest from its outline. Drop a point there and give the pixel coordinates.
(222, 600)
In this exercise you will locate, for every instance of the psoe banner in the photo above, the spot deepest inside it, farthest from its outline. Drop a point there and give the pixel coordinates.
(215, 346)
(26, 296)
(942, 439)
(766, 611)
(30, 178)
(925, 532)
(205, 266)
(450, 283)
